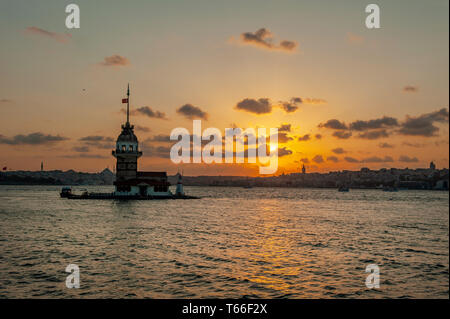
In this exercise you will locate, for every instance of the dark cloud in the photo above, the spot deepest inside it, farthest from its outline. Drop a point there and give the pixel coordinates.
(407, 159)
(160, 138)
(191, 112)
(373, 135)
(260, 106)
(284, 152)
(155, 151)
(263, 39)
(142, 129)
(384, 122)
(115, 60)
(285, 128)
(418, 145)
(376, 159)
(147, 111)
(96, 138)
(284, 138)
(85, 155)
(304, 138)
(60, 37)
(334, 125)
(385, 145)
(304, 160)
(332, 159)
(5, 101)
(81, 149)
(423, 125)
(338, 150)
(318, 136)
(411, 89)
(289, 107)
(342, 134)
(351, 159)
(32, 139)
(318, 159)
(98, 141)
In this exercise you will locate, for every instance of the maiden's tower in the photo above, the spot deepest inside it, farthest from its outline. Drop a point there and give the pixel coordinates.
(129, 181)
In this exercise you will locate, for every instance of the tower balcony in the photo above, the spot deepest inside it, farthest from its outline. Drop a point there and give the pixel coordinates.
(133, 153)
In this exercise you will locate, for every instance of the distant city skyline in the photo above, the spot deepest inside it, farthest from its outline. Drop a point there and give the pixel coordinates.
(342, 96)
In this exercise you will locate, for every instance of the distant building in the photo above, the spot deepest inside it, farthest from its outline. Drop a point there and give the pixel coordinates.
(42, 166)
(432, 166)
(303, 169)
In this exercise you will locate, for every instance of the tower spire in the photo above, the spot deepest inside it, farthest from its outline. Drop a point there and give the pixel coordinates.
(128, 104)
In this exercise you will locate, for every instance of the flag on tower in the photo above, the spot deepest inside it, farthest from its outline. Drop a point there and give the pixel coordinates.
(125, 100)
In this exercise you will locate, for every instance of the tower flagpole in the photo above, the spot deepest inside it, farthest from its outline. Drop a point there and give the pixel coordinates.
(128, 104)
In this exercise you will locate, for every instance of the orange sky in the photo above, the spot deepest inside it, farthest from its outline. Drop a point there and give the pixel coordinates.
(234, 64)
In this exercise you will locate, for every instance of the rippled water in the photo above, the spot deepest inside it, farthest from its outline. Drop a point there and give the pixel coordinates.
(234, 242)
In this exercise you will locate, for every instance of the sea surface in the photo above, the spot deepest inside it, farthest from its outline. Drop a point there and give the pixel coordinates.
(231, 243)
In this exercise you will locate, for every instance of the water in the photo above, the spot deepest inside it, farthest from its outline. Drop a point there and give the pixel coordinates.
(232, 243)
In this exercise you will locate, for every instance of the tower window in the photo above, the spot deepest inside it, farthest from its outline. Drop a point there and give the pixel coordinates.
(131, 148)
(124, 148)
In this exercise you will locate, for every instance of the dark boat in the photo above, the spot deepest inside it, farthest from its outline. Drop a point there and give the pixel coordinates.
(343, 189)
(66, 192)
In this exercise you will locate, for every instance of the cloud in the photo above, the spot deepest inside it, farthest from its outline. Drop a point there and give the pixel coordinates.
(263, 39)
(161, 138)
(260, 106)
(147, 111)
(289, 107)
(351, 159)
(373, 135)
(98, 141)
(191, 112)
(411, 89)
(283, 137)
(342, 135)
(407, 159)
(338, 150)
(155, 151)
(423, 125)
(304, 138)
(115, 60)
(285, 128)
(334, 125)
(414, 144)
(384, 122)
(318, 159)
(5, 101)
(84, 155)
(32, 139)
(332, 159)
(60, 37)
(142, 129)
(304, 160)
(376, 159)
(313, 101)
(81, 149)
(385, 145)
(284, 152)
(318, 136)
